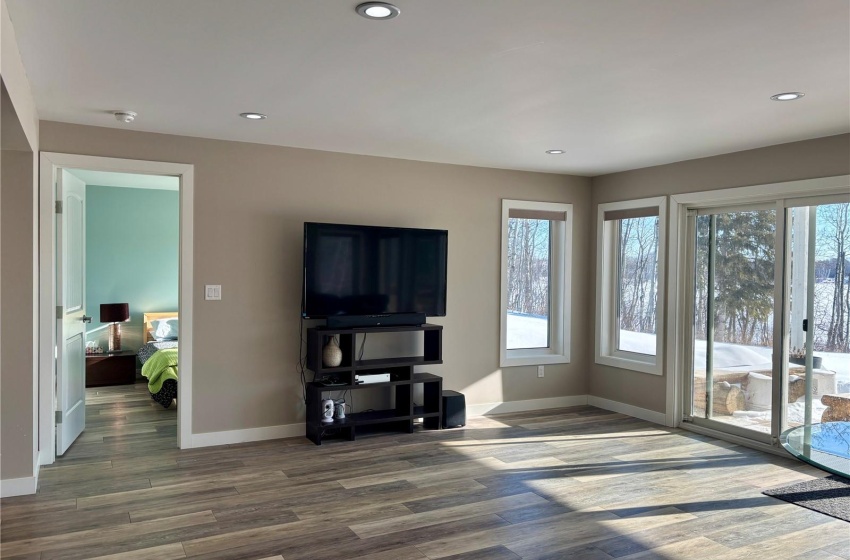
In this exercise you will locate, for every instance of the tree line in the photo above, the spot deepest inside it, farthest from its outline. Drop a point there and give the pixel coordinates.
(744, 278)
(744, 275)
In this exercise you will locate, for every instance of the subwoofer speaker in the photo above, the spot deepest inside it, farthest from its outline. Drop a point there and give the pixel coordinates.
(454, 409)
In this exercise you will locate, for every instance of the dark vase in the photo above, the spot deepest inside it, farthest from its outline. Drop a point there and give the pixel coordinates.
(817, 361)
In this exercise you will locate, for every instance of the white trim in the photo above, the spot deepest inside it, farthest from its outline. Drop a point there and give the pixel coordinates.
(606, 292)
(49, 164)
(508, 407)
(185, 306)
(676, 369)
(22, 486)
(767, 192)
(18, 486)
(745, 442)
(676, 293)
(211, 439)
(628, 409)
(34, 349)
(560, 305)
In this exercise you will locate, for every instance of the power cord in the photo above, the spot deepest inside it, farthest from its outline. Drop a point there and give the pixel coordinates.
(362, 347)
(302, 365)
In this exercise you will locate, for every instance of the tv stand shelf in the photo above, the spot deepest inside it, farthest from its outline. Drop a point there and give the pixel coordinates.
(404, 411)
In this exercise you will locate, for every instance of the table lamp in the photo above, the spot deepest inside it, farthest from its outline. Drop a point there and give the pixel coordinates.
(114, 314)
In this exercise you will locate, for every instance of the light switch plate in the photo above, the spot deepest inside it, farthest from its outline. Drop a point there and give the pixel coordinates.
(540, 371)
(212, 292)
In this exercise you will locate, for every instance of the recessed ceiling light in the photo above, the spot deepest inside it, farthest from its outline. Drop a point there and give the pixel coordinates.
(790, 96)
(555, 152)
(253, 116)
(377, 10)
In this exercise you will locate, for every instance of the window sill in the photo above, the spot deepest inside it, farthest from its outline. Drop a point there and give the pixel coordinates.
(650, 367)
(533, 360)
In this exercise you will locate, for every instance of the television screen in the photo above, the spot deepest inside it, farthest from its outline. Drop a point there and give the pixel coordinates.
(366, 270)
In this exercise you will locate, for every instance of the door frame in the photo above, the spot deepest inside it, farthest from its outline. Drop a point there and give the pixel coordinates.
(50, 163)
(677, 303)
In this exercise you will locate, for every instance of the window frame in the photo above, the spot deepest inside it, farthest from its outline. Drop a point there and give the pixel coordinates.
(607, 293)
(560, 288)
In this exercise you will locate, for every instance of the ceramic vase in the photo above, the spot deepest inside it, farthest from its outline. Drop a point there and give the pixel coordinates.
(331, 354)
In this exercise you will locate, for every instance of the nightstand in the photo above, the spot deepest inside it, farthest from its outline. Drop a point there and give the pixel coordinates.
(116, 368)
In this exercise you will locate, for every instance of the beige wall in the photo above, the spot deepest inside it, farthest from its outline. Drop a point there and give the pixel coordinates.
(15, 78)
(822, 157)
(16, 315)
(250, 204)
(18, 300)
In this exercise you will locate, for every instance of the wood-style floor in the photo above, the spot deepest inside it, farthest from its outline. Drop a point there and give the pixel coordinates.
(578, 483)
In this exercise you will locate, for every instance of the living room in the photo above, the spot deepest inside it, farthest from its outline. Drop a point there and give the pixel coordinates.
(255, 183)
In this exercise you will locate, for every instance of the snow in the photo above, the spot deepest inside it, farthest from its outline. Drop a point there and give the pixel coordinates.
(528, 331)
(760, 419)
(739, 357)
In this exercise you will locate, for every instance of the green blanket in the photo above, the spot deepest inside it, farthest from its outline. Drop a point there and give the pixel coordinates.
(159, 368)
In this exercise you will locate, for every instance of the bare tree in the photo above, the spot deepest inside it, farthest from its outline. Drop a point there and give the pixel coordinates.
(528, 266)
(834, 223)
(638, 274)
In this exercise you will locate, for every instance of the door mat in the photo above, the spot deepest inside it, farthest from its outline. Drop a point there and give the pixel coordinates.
(830, 495)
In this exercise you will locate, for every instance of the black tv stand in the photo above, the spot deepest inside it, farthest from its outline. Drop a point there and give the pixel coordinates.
(402, 379)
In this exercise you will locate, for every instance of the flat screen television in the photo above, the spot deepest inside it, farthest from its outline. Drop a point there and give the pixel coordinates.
(368, 270)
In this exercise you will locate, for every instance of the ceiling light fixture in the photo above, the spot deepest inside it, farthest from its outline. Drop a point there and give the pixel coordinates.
(789, 96)
(125, 116)
(253, 116)
(556, 152)
(377, 10)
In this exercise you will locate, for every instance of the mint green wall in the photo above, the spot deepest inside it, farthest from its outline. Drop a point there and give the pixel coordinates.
(132, 242)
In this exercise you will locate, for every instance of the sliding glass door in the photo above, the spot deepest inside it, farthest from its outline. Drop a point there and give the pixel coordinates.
(818, 311)
(732, 339)
(769, 303)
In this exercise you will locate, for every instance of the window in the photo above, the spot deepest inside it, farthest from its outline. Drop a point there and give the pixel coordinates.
(630, 271)
(535, 311)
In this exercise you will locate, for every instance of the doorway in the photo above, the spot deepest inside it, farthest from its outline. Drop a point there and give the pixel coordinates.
(60, 371)
(766, 311)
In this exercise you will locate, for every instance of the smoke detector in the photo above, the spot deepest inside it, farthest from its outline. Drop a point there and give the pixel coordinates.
(125, 116)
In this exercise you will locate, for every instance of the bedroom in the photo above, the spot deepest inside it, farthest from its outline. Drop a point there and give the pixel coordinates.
(131, 232)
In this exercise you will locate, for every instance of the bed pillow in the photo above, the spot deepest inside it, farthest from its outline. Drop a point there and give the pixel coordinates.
(166, 329)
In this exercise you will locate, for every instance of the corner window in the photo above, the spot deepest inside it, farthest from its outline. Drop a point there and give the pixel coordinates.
(536, 252)
(630, 271)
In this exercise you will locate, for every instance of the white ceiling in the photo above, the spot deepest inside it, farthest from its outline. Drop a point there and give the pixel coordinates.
(127, 180)
(618, 84)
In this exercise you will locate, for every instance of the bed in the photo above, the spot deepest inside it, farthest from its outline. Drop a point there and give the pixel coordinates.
(159, 357)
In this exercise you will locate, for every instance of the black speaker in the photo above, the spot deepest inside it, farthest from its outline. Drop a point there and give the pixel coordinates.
(454, 409)
(389, 320)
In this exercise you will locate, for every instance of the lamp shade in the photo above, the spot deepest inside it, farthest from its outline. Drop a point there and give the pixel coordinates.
(114, 312)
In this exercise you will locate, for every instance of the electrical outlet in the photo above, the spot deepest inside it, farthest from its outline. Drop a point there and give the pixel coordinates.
(539, 371)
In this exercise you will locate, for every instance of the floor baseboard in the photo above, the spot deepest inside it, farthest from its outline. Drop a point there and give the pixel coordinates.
(250, 434)
(524, 406)
(298, 430)
(628, 409)
(18, 486)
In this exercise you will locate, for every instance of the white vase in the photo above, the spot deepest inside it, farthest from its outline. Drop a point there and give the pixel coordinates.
(331, 354)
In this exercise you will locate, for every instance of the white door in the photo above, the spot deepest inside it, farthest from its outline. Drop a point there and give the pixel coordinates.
(71, 312)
